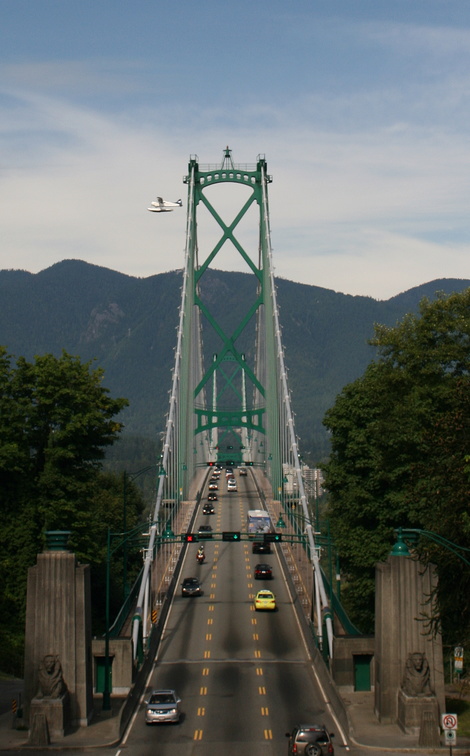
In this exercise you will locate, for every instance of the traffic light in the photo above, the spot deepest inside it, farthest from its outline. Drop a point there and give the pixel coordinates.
(210, 464)
(249, 464)
(272, 537)
(190, 537)
(231, 535)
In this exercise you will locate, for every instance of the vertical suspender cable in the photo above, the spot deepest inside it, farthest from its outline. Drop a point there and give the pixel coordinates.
(292, 437)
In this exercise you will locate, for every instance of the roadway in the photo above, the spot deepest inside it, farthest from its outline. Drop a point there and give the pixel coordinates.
(244, 677)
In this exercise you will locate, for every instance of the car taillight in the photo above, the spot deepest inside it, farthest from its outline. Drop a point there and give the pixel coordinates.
(294, 748)
(330, 748)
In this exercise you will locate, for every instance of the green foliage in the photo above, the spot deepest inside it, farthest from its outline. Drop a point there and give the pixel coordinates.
(400, 444)
(89, 540)
(56, 421)
(461, 707)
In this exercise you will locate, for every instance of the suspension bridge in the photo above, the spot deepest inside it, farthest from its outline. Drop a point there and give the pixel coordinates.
(230, 407)
(230, 401)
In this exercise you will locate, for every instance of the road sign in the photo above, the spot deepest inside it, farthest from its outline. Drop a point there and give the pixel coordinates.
(449, 721)
(450, 737)
(458, 658)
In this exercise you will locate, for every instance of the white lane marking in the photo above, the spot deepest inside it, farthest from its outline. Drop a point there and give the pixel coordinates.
(325, 699)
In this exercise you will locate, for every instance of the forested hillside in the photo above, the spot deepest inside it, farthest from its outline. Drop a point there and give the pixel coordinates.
(128, 326)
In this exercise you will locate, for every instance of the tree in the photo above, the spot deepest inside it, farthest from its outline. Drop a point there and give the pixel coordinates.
(400, 438)
(56, 421)
(89, 540)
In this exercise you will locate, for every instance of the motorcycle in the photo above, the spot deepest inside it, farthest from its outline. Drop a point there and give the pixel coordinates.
(200, 556)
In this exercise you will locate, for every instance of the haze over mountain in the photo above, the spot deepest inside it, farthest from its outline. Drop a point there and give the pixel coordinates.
(128, 326)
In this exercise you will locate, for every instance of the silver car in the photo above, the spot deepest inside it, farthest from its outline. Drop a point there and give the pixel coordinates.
(162, 706)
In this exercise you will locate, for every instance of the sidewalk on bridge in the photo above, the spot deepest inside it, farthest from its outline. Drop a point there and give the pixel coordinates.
(103, 731)
(367, 732)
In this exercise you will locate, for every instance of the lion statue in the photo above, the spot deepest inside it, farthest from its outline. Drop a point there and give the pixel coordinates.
(416, 679)
(50, 679)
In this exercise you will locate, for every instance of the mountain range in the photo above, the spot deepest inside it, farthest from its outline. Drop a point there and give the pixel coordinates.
(127, 326)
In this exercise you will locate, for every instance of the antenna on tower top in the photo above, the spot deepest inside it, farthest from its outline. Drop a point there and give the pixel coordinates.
(227, 162)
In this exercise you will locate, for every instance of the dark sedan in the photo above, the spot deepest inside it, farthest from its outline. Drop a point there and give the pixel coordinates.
(259, 547)
(263, 572)
(191, 586)
(208, 509)
(205, 531)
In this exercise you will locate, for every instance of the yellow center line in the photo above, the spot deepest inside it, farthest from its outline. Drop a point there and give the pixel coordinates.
(259, 671)
(268, 734)
(205, 672)
(262, 690)
(198, 735)
(203, 691)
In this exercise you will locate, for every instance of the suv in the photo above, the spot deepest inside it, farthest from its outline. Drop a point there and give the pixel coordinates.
(311, 740)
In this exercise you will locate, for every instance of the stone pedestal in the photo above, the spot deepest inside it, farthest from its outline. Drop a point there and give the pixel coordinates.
(58, 627)
(404, 588)
(54, 712)
(39, 731)
(411, 711)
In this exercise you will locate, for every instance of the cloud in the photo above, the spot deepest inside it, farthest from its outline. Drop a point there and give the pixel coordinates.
(372, 209)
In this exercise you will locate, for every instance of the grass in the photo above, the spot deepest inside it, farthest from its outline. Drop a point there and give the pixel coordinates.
(461, 707)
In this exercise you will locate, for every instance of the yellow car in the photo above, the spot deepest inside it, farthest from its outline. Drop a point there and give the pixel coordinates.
(265, 600)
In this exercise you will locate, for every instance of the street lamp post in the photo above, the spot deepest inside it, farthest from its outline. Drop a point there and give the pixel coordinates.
(125, 537)
(106, 689)
(128, 477)
(412, 534)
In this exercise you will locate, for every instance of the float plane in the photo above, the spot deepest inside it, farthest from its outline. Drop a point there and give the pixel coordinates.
(163, 206)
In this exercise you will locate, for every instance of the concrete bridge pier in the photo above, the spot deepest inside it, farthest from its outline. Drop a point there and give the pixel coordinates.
(58, 661)
(409, 670)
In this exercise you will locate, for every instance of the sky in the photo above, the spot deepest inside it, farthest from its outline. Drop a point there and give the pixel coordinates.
(361, 108)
